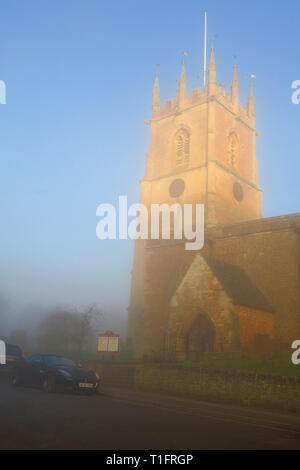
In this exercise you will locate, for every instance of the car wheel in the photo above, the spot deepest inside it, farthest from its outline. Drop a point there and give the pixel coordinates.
(15, 379)
(49, 384)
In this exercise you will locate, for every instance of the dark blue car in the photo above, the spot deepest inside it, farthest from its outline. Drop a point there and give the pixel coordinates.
(51, 372)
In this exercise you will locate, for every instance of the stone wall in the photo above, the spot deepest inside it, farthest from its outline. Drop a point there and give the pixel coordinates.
(256, 330)
(260, 391)
(215, 386)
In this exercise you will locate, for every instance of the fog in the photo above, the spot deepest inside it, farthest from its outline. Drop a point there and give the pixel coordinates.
(38, 281)
(25, 324)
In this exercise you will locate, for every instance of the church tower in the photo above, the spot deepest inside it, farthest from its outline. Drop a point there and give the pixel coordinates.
(202, 150)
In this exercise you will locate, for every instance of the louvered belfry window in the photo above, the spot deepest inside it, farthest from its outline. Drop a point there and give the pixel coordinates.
(182, 147)
(232, 149)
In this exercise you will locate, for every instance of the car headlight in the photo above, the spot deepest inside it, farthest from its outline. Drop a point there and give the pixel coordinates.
(97, 376)
(65, 373)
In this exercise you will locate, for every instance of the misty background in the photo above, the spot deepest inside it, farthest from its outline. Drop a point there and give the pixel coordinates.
(79, 79)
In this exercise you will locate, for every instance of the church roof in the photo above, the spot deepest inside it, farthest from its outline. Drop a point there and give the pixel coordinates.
(239, 285)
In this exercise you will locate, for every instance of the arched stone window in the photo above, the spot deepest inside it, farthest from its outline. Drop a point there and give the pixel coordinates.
(182, 147)
(233, 145)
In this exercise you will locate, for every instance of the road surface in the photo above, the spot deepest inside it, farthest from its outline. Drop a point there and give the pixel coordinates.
(125, 420)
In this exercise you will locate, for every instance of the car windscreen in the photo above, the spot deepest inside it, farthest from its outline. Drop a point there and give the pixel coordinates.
(58, 361)
(12, 350)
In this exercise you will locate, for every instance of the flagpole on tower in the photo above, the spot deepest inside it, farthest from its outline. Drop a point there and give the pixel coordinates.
(205, 39)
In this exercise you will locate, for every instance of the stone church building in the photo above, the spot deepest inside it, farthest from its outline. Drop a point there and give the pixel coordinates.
(241, 291)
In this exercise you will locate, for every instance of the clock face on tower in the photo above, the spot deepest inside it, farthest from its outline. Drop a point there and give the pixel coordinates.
(177, 188)
(238, 192)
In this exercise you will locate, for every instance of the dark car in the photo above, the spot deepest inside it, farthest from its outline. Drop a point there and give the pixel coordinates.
(52, 373)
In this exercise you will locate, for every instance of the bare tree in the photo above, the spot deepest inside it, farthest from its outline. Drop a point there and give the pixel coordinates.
(91, 320)
(74, 330)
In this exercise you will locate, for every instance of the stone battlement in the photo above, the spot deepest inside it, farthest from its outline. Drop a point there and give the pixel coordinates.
(200, 97)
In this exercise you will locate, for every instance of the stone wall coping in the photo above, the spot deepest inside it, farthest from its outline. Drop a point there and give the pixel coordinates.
(279, 379)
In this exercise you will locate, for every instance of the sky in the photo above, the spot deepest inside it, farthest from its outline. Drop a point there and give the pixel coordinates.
(79, 77)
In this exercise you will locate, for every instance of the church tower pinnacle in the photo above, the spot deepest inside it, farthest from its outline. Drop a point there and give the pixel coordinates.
(251, 104)
(181, 92)
(155, 95)
(212, 72)
(235, 89)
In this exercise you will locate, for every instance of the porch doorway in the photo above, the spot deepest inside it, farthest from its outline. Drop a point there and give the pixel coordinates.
(200, 338)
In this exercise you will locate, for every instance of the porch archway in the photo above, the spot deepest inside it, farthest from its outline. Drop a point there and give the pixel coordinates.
(200, 338)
